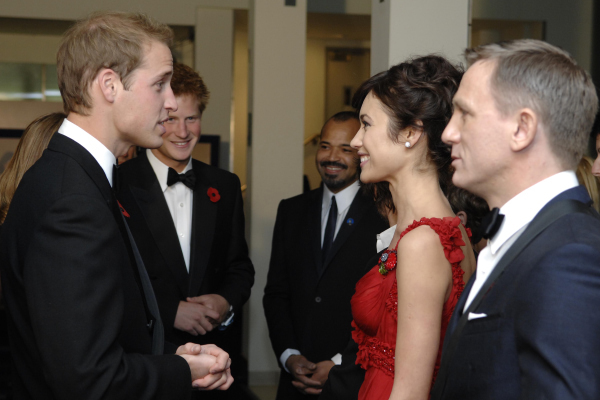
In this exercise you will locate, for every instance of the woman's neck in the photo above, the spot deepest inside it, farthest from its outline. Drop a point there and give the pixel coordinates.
(417, 194)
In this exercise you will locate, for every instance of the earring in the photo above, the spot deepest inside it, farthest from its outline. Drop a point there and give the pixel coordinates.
(407, 144)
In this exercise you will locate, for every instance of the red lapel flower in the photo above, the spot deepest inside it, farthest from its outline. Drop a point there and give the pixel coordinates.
(125, 213)
(213, 195)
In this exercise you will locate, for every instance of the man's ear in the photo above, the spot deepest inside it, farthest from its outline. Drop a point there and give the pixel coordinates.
(109, 83)
(526, 129)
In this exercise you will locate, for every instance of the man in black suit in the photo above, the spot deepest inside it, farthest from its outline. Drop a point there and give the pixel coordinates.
(321, 243)
(83, 320)
(526, 326)
(188, 222)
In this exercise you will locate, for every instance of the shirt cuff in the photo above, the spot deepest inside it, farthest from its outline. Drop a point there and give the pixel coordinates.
(337, 359)
(285, 355)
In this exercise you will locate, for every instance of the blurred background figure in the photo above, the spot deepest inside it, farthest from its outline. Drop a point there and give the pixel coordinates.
(34, 141)
(595, 133)
(470, 209)
(587, 178)
(30, 148)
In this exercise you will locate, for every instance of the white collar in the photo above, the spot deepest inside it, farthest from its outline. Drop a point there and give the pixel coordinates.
(101, 154)
(343, 198)
(161, 170)
(385, 238)
(521, 209)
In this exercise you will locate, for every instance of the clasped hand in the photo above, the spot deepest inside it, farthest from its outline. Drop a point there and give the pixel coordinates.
(201, 314)
(210, 366)
(309, 377)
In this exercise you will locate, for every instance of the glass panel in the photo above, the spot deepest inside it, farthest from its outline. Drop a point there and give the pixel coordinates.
(20, 81)
(52, 92)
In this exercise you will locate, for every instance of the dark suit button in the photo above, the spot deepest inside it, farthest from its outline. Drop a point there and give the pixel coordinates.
(150, 325)
(318, 299)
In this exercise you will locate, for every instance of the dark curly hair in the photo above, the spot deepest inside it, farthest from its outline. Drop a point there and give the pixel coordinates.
(474, 206)
(418, 91)
(187, 81)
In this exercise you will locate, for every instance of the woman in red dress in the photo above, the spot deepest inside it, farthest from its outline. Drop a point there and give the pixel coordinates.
(402, 306)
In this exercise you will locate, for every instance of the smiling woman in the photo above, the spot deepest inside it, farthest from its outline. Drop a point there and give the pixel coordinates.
(402, 306)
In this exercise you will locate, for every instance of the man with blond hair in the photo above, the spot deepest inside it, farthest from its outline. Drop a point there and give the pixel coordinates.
(83, 320)
(526, 326)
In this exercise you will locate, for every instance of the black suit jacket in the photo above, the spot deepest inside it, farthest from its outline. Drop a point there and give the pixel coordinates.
(540, 337)
(219, 260)
(306, 310)
(77, 315)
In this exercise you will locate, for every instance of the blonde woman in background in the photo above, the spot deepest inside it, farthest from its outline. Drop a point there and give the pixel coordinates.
(587, 179)
(34, 141)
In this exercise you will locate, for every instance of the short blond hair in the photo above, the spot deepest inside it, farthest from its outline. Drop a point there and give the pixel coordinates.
(114, 40)
(535, 74)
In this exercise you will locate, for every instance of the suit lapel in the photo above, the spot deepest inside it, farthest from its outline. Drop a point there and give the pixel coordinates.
(150, 199)
(314, 227)
(204, 217)
(353, 216)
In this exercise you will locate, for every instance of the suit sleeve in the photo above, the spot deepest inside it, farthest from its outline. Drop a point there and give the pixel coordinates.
(344, 380)
(73, 276)
(276, 300)
(558, 325)
(240, 271)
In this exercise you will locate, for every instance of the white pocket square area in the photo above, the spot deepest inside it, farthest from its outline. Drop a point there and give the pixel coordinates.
(476, 316)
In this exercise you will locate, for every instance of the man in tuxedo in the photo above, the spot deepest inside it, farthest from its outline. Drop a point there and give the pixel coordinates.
(526, 326)
(83, 321)
(321, 243)
(188, 222)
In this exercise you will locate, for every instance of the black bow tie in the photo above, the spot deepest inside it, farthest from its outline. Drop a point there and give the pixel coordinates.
(188, 179)
(491, 223)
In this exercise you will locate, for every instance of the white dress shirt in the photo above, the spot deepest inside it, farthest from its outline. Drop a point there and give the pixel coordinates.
(385, 238)
(180, 200)
(101, 154)
(343, 200)
(518, 213)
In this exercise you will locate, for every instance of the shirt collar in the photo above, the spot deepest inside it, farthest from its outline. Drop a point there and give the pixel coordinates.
(385, 238)
(343, 198)
(101, 154)
(521, 209)
(161, 170)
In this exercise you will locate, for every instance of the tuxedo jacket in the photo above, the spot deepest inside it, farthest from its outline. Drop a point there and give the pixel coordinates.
(307, 310)
(76, 310)
(219, 262)
(539, 339)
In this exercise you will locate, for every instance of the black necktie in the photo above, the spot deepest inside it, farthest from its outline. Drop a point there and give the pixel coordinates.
(188, 179)
(329, 229)
(491, 223)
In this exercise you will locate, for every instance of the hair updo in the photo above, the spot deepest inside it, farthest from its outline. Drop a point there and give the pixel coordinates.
(420, 89)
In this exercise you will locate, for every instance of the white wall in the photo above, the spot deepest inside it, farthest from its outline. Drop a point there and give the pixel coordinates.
(405, 28)
(277, 64)
(568, 23)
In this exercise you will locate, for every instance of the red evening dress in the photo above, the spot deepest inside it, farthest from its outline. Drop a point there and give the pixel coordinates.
(374, 309)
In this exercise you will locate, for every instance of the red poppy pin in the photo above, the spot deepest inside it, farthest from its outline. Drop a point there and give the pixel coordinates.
(213, 195)
(125, 213)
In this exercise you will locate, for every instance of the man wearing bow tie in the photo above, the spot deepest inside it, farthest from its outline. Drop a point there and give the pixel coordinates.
(187, 219)
(321, 244)
(526, 326)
